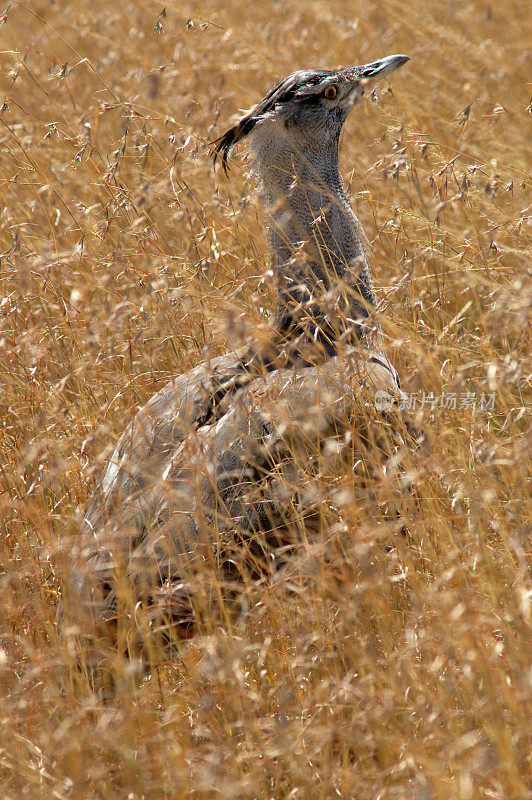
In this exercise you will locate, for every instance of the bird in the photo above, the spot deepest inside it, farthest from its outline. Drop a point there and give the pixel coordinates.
(211, 469)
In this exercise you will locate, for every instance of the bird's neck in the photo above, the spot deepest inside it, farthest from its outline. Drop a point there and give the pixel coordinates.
(318, 248)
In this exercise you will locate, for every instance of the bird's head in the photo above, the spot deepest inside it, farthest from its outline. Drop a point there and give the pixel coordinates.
(311, 105)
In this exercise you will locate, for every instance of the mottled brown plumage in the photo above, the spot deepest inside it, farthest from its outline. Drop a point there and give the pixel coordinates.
(217, 462)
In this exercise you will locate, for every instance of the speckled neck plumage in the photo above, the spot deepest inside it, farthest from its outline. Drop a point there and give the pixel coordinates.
(318, 248)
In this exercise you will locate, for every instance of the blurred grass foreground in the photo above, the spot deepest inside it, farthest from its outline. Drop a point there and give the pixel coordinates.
(402, 669)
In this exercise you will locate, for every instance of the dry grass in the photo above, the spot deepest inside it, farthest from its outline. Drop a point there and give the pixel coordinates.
(403, 671)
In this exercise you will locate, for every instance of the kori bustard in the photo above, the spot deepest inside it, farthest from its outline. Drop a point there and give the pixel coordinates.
(212, 469)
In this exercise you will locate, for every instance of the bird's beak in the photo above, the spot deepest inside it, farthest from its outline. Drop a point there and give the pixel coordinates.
(370, 74)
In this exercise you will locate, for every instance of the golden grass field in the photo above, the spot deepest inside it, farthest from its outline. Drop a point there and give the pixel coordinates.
(403, 669)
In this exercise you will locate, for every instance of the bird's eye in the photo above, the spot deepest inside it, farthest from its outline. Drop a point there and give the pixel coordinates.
(330, 92)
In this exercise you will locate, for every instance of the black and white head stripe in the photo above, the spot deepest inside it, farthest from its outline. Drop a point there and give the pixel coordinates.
(290, 88)
(303, 86)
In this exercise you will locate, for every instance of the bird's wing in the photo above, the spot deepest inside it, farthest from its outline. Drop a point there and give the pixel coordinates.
(219, 477)
(183, 490)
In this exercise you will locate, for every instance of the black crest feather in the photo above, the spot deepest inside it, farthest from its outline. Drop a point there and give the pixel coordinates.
(286, 89)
